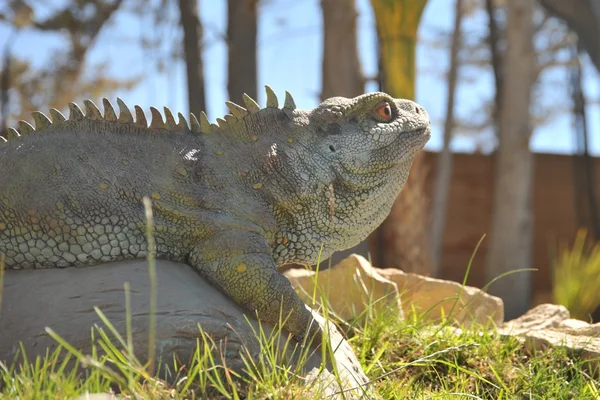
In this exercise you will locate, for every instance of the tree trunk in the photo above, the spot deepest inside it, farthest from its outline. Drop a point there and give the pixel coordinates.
(586, 203)
(192, 48)
(494, 38)
(583, 17)
(4, 92)
(241, 40)
(511, 233)
(402, 240)
(443, 168)
(340, 47)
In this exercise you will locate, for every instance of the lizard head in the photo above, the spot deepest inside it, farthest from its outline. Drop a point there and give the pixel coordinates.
(369, 138)
(352, 161)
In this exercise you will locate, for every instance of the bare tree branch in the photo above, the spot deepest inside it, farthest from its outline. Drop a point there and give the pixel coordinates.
(583, 17)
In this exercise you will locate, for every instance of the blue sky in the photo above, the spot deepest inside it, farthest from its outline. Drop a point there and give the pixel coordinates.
(290, 47)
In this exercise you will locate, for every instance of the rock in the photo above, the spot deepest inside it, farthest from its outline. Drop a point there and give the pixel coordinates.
(349, 287)
(573, 325)
(540, 317)
(550, 325)
(353, 284)
(584, 347)
(63, 299)
(436, 298)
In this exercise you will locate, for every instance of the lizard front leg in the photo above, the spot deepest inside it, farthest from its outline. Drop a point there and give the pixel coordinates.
(240, 264)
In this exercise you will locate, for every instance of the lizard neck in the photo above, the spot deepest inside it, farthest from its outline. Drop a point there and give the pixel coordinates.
(336, 218)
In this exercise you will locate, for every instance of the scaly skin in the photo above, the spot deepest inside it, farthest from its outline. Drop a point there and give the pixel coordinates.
(266, 187)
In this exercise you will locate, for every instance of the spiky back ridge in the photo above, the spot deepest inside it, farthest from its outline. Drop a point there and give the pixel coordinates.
(92, 113)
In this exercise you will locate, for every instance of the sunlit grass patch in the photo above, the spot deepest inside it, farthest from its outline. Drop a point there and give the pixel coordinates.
(410, 358)
(577, 276)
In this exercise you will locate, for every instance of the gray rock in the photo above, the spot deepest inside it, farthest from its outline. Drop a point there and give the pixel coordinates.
(64, 299)
(543, 316)
(549, 326)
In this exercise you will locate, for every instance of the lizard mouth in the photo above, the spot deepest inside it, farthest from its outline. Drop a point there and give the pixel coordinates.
(424, 133)
(415, 139)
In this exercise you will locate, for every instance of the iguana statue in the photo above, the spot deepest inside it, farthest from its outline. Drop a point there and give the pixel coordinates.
(263, 187)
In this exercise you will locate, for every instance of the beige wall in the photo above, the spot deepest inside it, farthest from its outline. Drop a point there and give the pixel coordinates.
(470, 209)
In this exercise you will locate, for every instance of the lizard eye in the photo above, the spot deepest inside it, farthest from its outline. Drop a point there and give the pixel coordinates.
(384, 111)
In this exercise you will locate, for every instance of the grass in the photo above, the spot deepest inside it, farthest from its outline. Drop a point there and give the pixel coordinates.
(576, 271)
(411, 359)
(403, 358)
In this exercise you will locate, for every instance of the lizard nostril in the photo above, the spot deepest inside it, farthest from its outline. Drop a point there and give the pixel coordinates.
(417, 109)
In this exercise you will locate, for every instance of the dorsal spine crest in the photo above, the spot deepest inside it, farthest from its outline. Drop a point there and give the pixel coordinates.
(93, 113)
